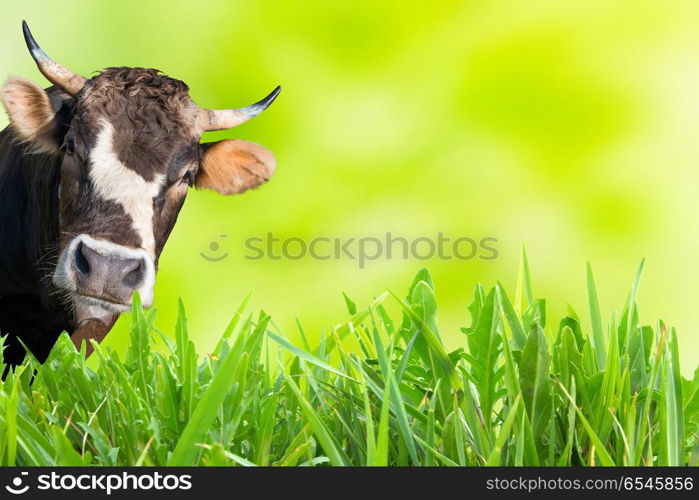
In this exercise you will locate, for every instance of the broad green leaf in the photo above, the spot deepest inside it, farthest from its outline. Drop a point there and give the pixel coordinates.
(536, 384)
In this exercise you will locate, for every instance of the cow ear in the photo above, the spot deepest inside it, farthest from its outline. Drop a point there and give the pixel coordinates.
(33, 113)
(233, 166)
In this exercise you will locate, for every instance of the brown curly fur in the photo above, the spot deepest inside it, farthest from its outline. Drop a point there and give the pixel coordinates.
(152, 112)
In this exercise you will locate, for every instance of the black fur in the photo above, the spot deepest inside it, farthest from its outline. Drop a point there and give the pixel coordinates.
(28, 235)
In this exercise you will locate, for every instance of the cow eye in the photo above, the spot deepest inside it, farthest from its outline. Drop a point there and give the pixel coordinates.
(68, 146)
(188, 178)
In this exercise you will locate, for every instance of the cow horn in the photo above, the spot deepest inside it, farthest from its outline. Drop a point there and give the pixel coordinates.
(71, 82)
(222, 119)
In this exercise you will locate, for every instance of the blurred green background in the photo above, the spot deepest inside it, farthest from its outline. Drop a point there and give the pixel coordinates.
(570, 126)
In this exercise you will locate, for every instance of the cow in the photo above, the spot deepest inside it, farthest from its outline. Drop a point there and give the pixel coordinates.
(93, 173)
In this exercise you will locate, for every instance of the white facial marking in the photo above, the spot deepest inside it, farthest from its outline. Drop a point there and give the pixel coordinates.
(116, 182)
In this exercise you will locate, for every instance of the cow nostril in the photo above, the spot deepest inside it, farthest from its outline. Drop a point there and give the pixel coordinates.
(134, 278)
(81, 263)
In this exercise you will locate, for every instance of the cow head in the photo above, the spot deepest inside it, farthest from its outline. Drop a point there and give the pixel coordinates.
(128, 140)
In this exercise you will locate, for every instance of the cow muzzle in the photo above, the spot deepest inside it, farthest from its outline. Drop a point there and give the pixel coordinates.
(103, 274)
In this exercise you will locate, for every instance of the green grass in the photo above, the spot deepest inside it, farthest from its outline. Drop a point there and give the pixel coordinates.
(376, 390)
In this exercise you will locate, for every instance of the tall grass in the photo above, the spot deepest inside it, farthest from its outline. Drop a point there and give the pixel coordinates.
(521, 391)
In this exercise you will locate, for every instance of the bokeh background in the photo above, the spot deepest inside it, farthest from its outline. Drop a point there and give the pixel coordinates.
(569, 126)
